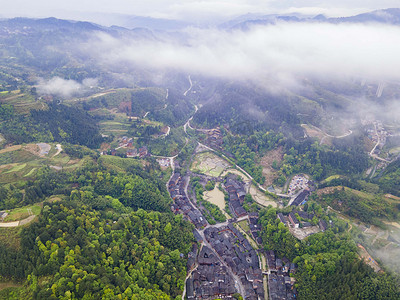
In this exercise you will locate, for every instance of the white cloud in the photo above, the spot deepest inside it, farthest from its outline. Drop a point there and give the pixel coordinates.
(278, 53)
(64, 88)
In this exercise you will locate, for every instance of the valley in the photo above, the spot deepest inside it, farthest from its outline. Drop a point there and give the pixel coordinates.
(125, 179)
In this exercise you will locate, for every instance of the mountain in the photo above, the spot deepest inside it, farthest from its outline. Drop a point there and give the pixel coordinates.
(244, 22)
(385, 16)
(152, 23)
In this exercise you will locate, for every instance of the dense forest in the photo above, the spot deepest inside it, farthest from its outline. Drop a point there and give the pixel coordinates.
(369, 209)
(328, 264)
(91, 254)
(390, 179)
(112, 235)
(59, 123)
(321, 161)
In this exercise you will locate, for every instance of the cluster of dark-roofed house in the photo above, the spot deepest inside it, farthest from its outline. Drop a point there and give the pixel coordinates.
(182, 204)
(292, 221)
(236, 191)
(210, 279)
(214, 138)
(280, 283)
(301, 198)
(235, 250)
(142, 152)
(255, 228)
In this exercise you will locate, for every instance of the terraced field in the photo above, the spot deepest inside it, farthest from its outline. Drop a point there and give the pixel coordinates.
(22, 102)
(23, 161)
(209, 164)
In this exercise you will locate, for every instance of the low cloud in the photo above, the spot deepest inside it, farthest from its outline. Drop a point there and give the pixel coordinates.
(280, 53)
(64, 87)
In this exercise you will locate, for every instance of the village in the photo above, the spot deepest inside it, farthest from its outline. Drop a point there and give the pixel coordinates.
(227, 260)
(127, 149)
(228, 257)
(224, 261)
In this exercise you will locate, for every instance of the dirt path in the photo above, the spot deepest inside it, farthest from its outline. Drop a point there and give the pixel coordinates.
(5, 285)
(18, 223)
(190, 274)
(59, 149)
(10, 149)
(368, 258)
(395, 224)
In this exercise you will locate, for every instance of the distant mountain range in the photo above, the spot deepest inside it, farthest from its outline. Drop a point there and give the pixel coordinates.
(383, 16)
(142, 26)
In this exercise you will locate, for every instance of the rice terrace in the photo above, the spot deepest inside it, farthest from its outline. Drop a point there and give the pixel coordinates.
(209, 164)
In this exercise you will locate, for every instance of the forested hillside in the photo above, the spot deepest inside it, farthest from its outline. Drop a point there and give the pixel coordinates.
(112, 235)
(329, 267)
(91, 254)
(59, 123)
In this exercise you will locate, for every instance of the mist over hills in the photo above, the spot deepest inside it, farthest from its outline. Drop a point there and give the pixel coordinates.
(137, 140)
(305, 61)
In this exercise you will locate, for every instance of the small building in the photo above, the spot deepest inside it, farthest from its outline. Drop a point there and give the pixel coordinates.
(132, 153)
(282, 218)
(300, 198)
(305, 215)
(143, 152)
(293, 220)
(190, 288)
(174, 179)
(322, 225)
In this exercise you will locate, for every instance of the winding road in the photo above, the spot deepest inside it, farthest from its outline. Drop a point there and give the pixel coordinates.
(18, 223)
(191, 85)
(326, 134)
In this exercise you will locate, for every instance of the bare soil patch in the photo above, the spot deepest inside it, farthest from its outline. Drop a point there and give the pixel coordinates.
(392, 197)
(266, 162)
(260, 197)
(328, 190)
(73, 161)
(32, 148)
(302, 233)
(314, 132)
(105, 146)
(368, 259)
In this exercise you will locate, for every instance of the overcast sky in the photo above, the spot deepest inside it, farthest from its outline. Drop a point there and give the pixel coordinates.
(188, 10)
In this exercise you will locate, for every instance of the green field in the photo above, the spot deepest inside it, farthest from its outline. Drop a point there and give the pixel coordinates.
(330, 178)
(23, 212)
(118, 163)
(394, 150)
(16, 168)
(244, 225)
